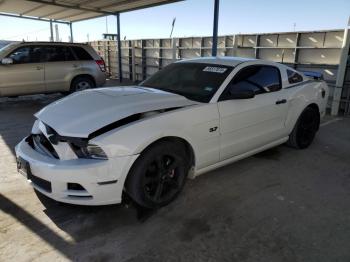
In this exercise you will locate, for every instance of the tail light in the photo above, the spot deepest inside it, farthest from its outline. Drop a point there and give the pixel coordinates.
(101, 64)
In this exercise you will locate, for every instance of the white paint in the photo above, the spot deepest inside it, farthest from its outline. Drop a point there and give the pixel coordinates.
(242, 128)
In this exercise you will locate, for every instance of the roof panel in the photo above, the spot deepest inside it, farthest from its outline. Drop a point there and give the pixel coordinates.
(83, 16)
(16, 6)
(68, 13)
(74, 10)
(44, 11)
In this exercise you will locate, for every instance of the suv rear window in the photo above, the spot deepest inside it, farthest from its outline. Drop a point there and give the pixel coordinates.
(294, 77)
(81, 53)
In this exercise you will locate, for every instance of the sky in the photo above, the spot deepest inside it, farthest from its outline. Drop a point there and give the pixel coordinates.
(195, 18)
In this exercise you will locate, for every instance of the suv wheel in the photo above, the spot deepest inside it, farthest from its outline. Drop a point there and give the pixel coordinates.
(81, 83)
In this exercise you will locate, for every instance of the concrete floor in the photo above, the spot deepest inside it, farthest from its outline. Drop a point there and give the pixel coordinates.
(280, 205)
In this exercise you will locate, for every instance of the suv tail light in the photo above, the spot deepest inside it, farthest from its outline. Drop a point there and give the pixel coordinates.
(101, 64)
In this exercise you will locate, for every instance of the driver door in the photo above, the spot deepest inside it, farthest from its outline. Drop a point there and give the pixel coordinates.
(25, 75)
(248, 124)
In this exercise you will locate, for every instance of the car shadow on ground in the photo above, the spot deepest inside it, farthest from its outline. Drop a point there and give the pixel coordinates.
(185, 220)
(256, 207)
(81, 223)
(275, 205)
(33, 224)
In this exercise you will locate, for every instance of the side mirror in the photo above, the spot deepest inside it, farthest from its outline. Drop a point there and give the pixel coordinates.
(241, 94)
(7, 61)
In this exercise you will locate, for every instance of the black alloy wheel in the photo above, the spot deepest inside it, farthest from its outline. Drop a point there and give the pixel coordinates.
(158, 175)
(305, 129)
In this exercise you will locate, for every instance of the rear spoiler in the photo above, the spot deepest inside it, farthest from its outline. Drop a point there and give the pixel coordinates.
(312, 74)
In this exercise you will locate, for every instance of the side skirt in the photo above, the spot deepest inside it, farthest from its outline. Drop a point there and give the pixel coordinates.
(239, 157)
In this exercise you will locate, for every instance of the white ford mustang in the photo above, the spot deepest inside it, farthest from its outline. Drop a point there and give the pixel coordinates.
(189, 118)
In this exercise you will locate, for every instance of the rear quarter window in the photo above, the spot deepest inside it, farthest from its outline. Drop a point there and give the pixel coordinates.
(259, 78)
(294, 77)
(81, 53)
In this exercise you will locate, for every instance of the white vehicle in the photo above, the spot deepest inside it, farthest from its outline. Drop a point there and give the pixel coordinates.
(189, 118)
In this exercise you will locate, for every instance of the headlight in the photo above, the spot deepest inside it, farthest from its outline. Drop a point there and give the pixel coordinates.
(90, 151)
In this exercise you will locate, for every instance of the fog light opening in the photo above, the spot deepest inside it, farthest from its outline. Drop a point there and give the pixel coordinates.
(75, 186)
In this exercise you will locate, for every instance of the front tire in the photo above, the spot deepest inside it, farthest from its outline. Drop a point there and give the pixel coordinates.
(305, 129)
(158, 175)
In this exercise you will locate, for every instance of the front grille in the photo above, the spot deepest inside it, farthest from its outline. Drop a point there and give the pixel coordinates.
(39, 182)
(39, 141)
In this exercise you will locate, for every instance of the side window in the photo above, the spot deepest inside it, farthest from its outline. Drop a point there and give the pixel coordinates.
(69, 54)
(59, 54)
(294, 77)
(81, 53)
(21, 55)
(27, 54)
(37, 54)
(260, 79)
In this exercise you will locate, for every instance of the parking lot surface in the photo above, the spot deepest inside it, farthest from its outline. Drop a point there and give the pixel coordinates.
(280, 205)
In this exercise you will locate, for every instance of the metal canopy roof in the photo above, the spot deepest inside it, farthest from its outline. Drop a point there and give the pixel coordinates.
(68, 11)
(73, 10)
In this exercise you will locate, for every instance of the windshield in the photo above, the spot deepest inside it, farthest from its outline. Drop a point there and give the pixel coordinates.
(6, 47)
(195, 81)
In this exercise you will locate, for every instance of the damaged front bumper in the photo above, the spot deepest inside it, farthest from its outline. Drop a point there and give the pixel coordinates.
(75, 181)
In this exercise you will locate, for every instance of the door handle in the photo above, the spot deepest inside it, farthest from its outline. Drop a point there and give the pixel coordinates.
(282, 101)
(39, 67)
(75, 66)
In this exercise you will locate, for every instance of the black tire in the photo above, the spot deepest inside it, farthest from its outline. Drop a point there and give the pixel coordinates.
(158, 175)
(81, 83)
(305, 129)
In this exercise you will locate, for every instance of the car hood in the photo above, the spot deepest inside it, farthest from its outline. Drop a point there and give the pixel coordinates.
(82, 113)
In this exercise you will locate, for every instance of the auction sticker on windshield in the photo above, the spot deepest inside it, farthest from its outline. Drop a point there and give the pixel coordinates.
(214, 69)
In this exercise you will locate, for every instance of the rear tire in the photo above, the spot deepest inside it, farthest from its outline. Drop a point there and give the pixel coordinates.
(81, 83)
(158, 175)
(305, 129)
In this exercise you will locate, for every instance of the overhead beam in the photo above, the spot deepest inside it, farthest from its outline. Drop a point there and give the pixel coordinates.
(149, 6)
(32, 18)
(120, 3)
(131, 9)
(77, 7)
(84, 6)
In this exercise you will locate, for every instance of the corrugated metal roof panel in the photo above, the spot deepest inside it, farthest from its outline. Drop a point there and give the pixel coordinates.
(74, 10)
